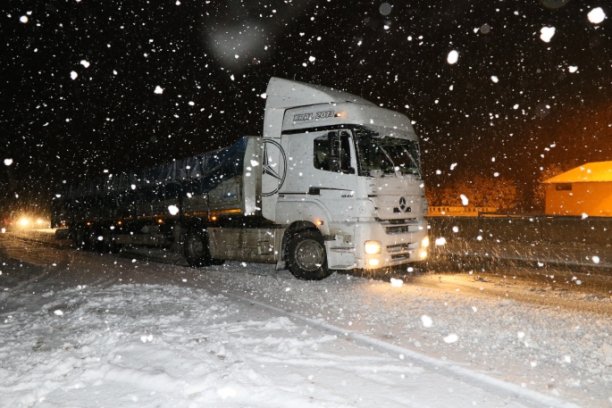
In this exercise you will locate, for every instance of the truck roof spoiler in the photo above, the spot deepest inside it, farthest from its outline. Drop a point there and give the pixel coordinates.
(283, 93)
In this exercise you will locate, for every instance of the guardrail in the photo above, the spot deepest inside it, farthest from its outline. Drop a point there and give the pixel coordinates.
(458, 211)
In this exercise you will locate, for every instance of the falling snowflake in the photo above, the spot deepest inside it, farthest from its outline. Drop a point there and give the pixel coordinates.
(597, 15)
(464, 200)
(73, 75)
(173, 209)
(426, 321)
(547, 33)
(8, 162)
(85, 63)
(158, 90)
(451, 338)
(452, 57)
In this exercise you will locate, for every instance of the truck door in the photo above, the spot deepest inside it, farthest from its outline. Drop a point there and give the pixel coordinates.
(321, 176)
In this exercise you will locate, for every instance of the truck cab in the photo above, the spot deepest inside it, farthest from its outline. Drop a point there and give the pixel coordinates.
(341, 167)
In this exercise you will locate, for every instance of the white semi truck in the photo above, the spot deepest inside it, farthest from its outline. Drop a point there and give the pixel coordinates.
(334, 183)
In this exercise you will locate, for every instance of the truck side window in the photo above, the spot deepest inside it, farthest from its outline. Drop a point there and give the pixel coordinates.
(332, 152)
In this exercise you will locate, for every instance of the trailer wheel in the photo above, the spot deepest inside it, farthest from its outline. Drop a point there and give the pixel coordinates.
(306, 256)
(196, 249)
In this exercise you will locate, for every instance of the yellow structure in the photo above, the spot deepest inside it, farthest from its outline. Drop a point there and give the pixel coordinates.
(586, 189)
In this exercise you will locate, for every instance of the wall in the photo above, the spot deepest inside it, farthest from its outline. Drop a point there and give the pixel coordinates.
(594, 199)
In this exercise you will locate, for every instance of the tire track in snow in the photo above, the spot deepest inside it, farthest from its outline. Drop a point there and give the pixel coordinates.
(495, 386)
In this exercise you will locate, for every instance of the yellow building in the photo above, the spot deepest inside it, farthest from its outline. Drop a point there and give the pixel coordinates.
(586, 189)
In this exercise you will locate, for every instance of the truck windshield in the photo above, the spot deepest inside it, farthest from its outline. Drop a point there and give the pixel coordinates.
(386, 154)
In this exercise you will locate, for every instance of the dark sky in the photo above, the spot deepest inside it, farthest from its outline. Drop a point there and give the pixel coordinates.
(78, 80)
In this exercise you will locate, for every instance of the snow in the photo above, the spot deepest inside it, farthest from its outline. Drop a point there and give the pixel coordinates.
(440, 241)
(426, 321)
(173, 209)
(547, 33)
(452, 57)
(385, 8)
(8, 162)
(73, 75)
(81, 329)
(596, 15)
(158, 90)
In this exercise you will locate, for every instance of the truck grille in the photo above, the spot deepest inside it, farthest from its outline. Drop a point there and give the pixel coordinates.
(400, 251)
(401, 226)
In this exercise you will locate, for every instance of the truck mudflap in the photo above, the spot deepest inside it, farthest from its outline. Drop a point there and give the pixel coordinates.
(340, 256)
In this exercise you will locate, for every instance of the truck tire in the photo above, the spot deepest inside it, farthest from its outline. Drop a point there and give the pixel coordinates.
(306, 256)
(195, 246)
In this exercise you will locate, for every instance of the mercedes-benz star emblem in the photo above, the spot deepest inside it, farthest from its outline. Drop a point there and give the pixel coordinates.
(274, 167)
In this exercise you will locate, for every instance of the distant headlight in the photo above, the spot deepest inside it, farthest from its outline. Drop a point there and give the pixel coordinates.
(425, 242)
(24, 221)
(372, 247)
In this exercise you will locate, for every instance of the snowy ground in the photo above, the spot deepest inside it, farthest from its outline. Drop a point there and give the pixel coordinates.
(81, 329)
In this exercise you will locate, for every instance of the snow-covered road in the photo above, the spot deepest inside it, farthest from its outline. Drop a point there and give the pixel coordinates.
(81, 329)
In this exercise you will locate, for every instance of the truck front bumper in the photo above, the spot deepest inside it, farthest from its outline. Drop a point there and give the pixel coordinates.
(377, 246)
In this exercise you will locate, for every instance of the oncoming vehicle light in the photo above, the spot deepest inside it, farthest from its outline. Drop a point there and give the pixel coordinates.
(24, 221)
(372, 247)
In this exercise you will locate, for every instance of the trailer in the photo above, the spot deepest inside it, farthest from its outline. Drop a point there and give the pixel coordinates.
(333, 183)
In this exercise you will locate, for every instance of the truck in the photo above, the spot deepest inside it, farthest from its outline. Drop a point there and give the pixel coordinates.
(334, 183)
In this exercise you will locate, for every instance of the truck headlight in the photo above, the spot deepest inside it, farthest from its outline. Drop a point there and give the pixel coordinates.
(425, 242)
(372, 247)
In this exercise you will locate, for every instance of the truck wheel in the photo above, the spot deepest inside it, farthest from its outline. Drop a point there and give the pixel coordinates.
(196, 249)
(306, 256)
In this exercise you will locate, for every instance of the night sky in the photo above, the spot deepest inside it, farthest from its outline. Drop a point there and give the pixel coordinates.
(93, 86)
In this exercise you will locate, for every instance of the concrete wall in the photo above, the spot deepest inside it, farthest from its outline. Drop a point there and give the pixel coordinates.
(563, 240)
